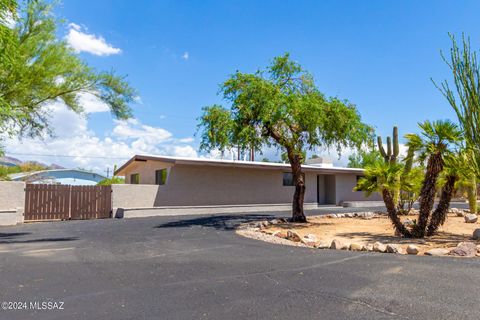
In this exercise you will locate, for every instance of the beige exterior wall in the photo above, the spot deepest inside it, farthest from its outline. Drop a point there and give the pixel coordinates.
(344, 184)
(207, 185)
(12, 195)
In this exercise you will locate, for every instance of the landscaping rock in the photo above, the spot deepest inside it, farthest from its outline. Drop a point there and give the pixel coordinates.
(471, 218)
(332, 215)
(280, 234)
(340, 215)
(349, 215)
(408, 222)
(369, 247)
(338, 245)
(457, 212)
(309, 240)
(437, 252)
(476, 234)
(464, 249)
(275, 221)
(394, 248)
(379, 247)
(293, 236)
(366, 215)
(412, 249)
(357, 247)
(323, 244)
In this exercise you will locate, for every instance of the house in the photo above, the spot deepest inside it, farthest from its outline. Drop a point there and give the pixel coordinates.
(59, 176)
(211, 182)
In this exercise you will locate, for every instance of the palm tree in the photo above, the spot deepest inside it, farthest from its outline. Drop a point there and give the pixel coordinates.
(438, 139)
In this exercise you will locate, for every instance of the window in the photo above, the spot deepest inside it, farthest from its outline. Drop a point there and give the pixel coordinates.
(135, 178)
(288, 179)
(161, 176)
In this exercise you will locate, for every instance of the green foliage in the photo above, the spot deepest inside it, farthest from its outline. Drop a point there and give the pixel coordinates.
(280, 106)
(364, 158)
(37, 68)
(24, 167)
(110, 181)
(465, 96)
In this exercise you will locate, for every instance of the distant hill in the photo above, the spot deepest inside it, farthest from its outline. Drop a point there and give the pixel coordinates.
(12, 162)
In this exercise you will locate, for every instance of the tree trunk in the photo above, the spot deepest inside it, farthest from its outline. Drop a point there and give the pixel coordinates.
(298, 196)
(472, 195)
(440, 213)
(427, 193)
(393, 213)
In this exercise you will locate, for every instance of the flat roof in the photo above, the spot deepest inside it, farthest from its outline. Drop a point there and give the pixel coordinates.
(233, 163)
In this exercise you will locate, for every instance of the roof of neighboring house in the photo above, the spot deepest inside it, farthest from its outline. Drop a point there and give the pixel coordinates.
(233, 163)
(57, 174)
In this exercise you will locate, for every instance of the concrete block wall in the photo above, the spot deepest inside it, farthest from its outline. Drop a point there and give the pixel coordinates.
(12, 202)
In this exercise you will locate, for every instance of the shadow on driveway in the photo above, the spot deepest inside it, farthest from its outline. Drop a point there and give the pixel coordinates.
(10, 238)
(218, 222)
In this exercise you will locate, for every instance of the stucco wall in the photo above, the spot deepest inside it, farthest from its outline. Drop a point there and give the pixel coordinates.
(344, 184)
(212, 185)
(134, 195)
(12, 195)
(204, 185)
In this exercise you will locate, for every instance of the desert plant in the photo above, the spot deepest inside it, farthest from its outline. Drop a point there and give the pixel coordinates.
(437, 141)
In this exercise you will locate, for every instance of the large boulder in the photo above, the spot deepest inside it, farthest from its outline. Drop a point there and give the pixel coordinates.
(437, 252)
(464, 249)
(309, 240)
(412, 249)
(379, 247)
(476, 234)
(357, 247)
(323, 244)
(394, 248)
(338, 245)
(293, 236)
(470, 218)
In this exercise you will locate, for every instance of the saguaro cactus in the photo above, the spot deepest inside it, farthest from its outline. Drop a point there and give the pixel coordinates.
(390, 155)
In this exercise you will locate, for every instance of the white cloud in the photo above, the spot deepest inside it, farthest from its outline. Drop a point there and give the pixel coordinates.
(84, 42)
(74, 145)
(185, 55)
(91, 103)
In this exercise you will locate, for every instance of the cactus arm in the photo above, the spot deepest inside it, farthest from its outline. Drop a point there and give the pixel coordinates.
(396, 149)
(389, 147)
(380, 147)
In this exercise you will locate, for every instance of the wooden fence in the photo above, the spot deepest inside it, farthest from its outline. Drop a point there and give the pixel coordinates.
(63, 202)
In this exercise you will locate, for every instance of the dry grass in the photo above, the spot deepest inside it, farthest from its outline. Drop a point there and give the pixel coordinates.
(363, 231)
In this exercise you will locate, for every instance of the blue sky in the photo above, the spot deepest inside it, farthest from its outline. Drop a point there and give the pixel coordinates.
(380, 55)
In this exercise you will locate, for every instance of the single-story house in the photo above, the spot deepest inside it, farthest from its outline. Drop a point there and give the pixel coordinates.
(59, 176)
(211, 182)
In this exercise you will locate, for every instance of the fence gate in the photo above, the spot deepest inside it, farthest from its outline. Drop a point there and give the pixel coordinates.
(62, 202)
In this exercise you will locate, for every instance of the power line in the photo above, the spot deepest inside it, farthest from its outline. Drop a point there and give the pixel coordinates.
(63, 156)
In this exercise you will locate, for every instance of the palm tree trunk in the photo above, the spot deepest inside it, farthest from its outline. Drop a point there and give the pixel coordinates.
(388, 199)
(440, 213)
(427, 193)
(472, 195)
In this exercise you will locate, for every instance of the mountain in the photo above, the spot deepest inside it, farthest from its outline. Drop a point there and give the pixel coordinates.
(12, 162)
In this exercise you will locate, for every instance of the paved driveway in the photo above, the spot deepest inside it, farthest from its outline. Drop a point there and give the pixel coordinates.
(196, 267)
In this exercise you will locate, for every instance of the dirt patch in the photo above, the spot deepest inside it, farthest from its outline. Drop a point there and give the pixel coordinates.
(367, 231)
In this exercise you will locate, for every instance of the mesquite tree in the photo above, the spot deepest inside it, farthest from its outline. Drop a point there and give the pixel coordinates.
(465, 101)
(280, 106)
(38, 68)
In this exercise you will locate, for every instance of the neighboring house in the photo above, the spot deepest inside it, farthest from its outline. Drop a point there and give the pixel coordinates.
(59, 176)
(207, 182)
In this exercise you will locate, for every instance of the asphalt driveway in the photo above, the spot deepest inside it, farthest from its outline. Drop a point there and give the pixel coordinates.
(196, 267)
